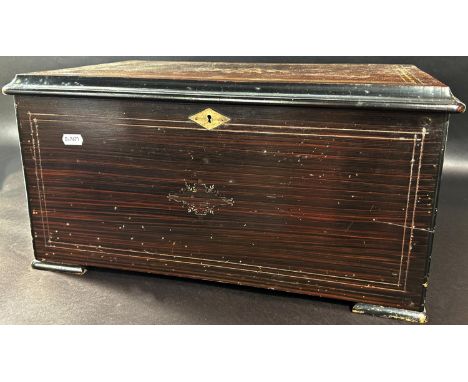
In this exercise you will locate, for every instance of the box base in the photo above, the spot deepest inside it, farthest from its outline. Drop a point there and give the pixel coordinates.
(45, 266)
(387, 312)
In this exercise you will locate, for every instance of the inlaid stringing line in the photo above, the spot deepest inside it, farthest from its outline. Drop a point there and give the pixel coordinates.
(222, 130)
(322, 128)
(415, 204)
(403, 74)
(33, 141)
(317, 274)
(406, 209)
(369, 281)
(415, 140)
(406, 75)
(227, 124)
(99, 248)
(233, 268)
(413, 77)
(42, 177)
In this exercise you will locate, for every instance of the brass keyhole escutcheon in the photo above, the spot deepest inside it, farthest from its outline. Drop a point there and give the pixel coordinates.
(209, 119)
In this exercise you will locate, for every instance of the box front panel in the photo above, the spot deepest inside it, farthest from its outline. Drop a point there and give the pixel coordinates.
(328, 202)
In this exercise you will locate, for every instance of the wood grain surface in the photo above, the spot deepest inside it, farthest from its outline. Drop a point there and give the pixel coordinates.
(383, 74)
(372, 86)
(321, 201)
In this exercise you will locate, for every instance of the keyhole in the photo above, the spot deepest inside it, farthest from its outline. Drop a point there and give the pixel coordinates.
(209, 118)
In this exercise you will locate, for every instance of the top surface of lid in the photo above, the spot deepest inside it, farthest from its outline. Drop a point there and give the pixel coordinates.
(377, 74)
(353, 85)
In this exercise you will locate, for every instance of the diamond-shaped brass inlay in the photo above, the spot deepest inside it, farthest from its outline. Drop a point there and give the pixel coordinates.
(209, 119)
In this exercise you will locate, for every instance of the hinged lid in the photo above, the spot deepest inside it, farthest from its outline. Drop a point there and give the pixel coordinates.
(338, 85)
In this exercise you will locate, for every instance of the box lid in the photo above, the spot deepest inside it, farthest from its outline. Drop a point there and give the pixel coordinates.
(335, 85)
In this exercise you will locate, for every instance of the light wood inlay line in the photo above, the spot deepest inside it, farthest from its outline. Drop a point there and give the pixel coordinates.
(415, 205)
(335, 278)
(237, 268)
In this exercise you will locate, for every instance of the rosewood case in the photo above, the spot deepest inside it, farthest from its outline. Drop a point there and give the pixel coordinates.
(312, 179)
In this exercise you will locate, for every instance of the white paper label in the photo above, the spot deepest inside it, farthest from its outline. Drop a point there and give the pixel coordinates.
(72, 139)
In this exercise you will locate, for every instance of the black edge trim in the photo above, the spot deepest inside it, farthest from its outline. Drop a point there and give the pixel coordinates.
(409, 97)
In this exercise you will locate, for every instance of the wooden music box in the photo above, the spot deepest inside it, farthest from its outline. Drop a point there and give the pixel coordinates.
(312, 179)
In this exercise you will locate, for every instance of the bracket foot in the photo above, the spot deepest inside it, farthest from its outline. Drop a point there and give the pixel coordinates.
(45, 266)
(387, 312)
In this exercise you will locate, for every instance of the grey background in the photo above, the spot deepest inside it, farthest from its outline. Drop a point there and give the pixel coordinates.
(110, 297)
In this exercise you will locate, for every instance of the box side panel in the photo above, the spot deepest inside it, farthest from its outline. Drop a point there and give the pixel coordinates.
(327, 202)
(441, 146)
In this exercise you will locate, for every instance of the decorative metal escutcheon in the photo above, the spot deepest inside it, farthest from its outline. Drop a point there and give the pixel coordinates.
(209, 119)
